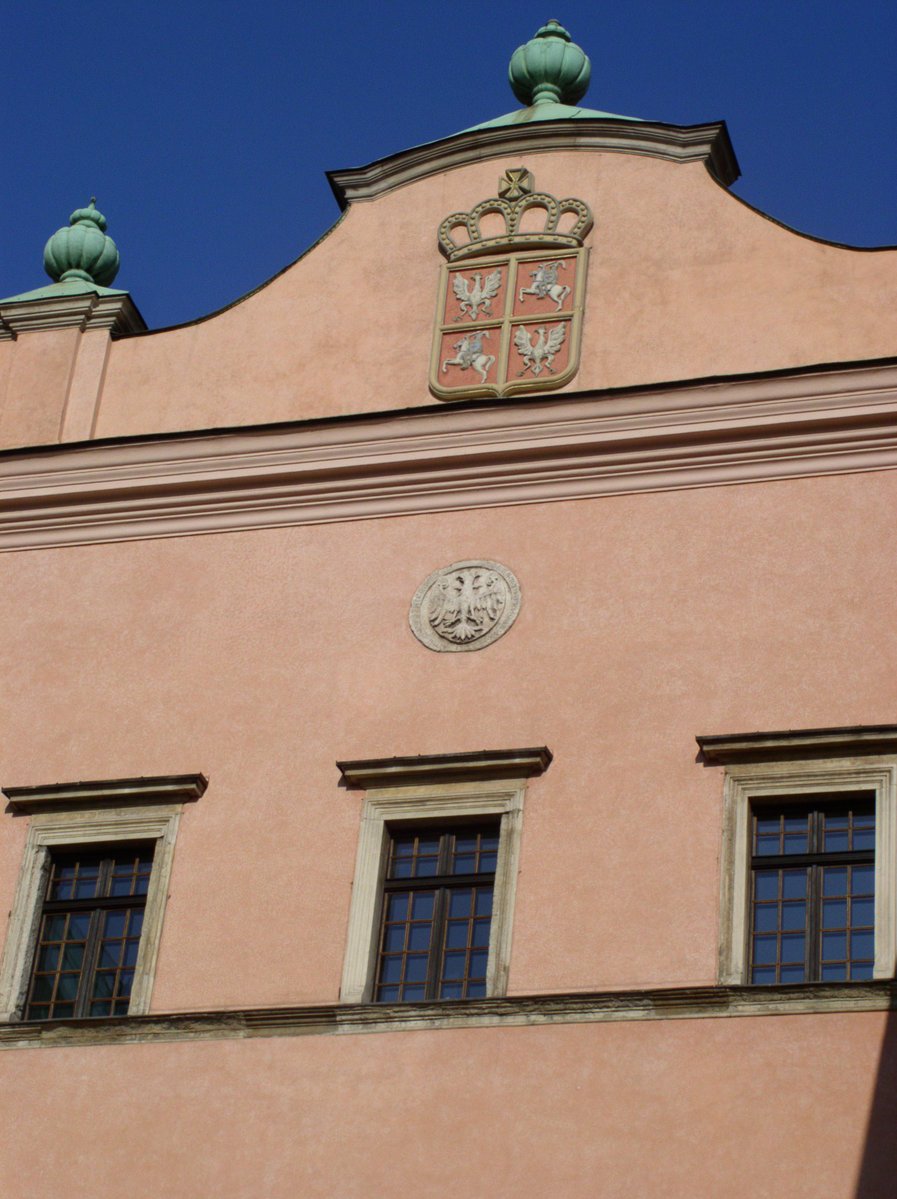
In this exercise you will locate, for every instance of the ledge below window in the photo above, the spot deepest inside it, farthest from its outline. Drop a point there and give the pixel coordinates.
(679, 1003)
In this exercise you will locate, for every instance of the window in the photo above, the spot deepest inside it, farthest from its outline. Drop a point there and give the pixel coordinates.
(813, 891)
(84, 930)
(89, 934)
(436, 874)
(808, 885)
(437, 914)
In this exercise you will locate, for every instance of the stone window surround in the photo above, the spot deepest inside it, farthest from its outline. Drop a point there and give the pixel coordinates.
(69, 816)
(438, 787)
(791, 765)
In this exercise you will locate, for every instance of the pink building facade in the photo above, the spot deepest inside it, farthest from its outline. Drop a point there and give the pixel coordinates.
(458, 759)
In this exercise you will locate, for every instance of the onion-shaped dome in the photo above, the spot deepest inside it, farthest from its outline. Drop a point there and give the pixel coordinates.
(82, 250)
(550, 68)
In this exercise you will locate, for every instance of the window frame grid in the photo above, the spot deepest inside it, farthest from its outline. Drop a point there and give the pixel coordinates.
(813, 861)
(802, 780)
(96, 908)
(442, 884)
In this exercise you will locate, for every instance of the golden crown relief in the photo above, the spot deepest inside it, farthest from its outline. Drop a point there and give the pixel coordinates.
(461, 235)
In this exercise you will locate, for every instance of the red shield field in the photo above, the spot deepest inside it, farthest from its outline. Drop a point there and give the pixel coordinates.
(508, 324)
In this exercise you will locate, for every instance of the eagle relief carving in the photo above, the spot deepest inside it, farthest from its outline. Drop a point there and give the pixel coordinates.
(473, 294)
(465, 606)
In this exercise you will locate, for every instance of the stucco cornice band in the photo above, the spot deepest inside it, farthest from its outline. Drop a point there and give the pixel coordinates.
(799, 744)
(88, 310)
(446, 768)
(709, 144)
(681, 1003)
(171, 788)
(833, 421)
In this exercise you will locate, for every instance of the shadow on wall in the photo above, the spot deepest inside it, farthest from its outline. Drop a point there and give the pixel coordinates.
(878, 1171)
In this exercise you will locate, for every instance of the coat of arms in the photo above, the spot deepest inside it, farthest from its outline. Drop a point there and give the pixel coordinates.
(511, 294)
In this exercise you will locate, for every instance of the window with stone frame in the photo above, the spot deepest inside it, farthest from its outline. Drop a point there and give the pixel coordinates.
(808, 880)
(431, 913)
(86, 921)
(89, 934)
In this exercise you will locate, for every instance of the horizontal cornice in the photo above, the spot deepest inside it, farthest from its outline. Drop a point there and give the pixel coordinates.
(84, 310)
(845, 742)
(443, 458)
(682, 1003)
(709, 144)
(167, 788)
(452, 768)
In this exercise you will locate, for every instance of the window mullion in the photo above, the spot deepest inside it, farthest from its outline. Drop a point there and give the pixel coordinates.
(814, 922)
(444, 860)
(104, 878)
(437, 943)
(88, 963)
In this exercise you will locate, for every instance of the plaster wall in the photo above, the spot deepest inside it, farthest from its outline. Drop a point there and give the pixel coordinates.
(685, 281)
(674, 1108)
(35, 373)
(261, 658)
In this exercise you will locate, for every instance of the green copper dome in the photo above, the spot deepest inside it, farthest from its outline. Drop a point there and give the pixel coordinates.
(82, 250)
(549, 74)
(550, 68)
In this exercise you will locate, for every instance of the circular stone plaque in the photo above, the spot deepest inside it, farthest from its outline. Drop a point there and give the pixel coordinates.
(465, 606)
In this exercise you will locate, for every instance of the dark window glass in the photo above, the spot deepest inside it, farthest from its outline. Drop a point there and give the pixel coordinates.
(437, 914)
(813, 891)
(89, 934)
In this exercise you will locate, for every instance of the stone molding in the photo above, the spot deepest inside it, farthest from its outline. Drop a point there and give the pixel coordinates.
(169, 788)
(709, 144)
(847, 741)
(454, 768)
(593, 1007)
(86, 310)
(824, 421)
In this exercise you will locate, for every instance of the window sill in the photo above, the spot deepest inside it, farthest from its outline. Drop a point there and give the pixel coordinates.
(688, 1003)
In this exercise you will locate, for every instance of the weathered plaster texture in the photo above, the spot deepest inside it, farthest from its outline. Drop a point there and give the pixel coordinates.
(679, 1109)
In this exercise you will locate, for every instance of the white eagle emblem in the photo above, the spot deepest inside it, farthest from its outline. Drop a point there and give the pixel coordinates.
(473, 294)
(539, 355)
(466, 604)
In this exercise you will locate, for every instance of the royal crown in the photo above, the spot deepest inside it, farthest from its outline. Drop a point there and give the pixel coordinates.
(517, 218)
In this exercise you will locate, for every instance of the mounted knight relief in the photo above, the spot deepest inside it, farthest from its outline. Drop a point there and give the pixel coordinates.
(509, 314)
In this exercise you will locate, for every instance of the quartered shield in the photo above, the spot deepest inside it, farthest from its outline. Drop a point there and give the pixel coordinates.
(508, 324)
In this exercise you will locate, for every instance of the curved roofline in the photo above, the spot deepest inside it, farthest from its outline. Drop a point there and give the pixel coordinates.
(820, 241)
(709, 144)
(198, 320)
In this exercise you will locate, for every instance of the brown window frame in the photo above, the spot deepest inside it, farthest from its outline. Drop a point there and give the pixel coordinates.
(94, 907)
(813, 809)
(442, 883)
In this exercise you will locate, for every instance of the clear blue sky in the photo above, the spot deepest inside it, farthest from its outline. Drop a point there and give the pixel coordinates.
(204, 129)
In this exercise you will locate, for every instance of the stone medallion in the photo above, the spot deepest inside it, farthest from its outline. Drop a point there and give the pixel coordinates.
(465, 606)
